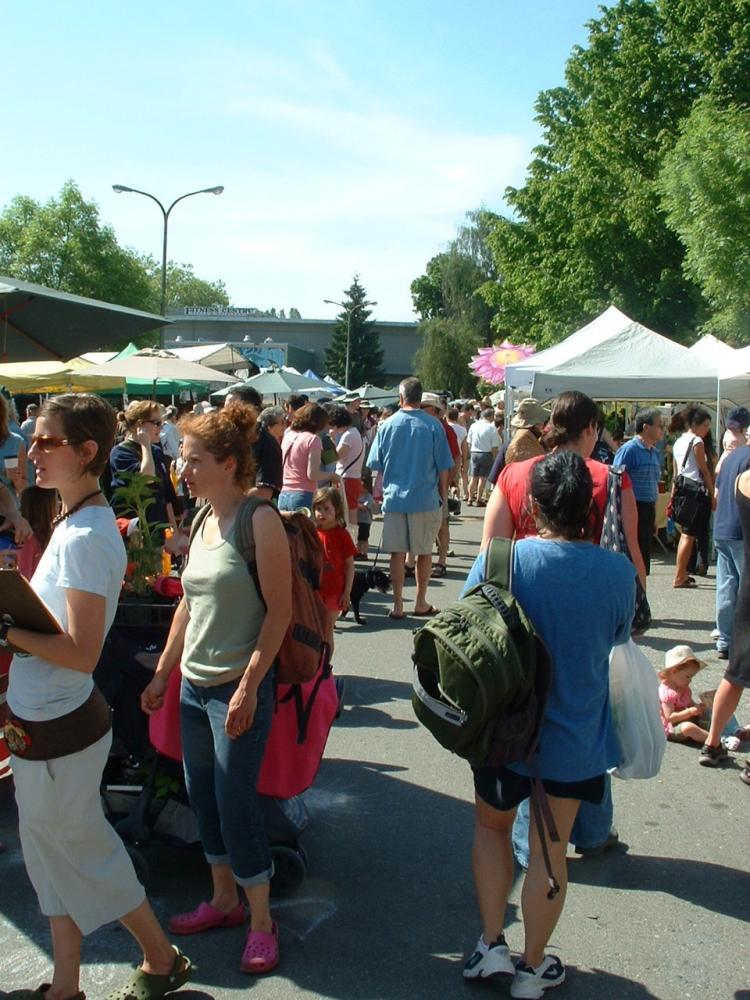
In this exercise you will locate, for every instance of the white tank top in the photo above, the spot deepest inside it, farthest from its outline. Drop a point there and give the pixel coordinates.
(680, 449)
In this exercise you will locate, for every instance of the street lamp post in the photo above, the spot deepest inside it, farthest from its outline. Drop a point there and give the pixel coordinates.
(349, 310)
(122, 188)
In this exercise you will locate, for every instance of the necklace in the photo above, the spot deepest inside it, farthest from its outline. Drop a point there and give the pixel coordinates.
(76, 507)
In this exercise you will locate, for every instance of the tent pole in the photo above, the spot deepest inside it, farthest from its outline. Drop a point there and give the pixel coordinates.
(717, 442)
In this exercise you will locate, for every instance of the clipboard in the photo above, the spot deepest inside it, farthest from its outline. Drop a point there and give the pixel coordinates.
(21, 604)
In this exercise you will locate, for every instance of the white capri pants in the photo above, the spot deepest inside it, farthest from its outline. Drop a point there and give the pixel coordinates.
(76, 862)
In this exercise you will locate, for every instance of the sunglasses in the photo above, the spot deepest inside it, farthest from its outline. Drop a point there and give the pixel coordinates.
(156, 423)
(46, 443)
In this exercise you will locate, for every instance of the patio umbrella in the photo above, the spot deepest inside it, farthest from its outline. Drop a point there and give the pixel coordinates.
(152, 367)
(372, 394)
(56, 376)
(42, 324)
(276, 382)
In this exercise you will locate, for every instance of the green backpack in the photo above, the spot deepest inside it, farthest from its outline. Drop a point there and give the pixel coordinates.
(481, 674)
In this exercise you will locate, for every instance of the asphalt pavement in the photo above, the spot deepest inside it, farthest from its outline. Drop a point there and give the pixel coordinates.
(387, 910)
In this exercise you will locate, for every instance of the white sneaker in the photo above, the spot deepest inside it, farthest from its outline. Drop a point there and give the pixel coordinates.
(531, 983)
(489, 960)
(715, 633)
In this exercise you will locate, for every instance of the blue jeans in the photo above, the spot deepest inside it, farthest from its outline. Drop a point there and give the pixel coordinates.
(221, 775)
(590, 829)
(730, 558)
(294, 499)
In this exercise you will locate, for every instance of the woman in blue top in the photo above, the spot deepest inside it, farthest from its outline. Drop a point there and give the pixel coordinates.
(556, 576)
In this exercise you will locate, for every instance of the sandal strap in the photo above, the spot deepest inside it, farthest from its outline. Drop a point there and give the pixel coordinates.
(152, 986)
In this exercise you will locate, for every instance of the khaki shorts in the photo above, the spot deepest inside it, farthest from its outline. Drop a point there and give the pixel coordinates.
(415, 533)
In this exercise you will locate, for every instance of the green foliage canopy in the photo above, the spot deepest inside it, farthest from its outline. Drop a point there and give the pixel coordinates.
(588, 227)
(705, 181)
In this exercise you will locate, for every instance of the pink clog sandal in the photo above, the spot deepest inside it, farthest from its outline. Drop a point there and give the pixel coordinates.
(261, 952)
(206, 918)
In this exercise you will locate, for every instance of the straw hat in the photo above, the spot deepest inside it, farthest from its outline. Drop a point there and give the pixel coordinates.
(529, 413)
(432, 399)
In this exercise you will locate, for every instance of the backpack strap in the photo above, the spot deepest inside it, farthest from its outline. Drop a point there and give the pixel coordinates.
(498, 566)
(197, 523)
(244, 535)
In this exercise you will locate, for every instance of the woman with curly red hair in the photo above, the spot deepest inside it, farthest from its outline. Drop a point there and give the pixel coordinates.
(226, 634)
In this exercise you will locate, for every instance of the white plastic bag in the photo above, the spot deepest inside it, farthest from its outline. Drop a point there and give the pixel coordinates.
(634, 700)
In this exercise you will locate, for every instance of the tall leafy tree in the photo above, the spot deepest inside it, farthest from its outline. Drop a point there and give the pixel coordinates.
(184, 287)
(455, 317)
(365, 351)
(442, 362)
(63, 244)
(706, 184)
(588, 227)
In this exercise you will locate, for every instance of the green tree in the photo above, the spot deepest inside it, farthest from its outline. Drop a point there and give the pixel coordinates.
(63, 244)
(184, 287)
(365, 351)
(442, 363)
(588, 227)
(451, 286)
(705, 181)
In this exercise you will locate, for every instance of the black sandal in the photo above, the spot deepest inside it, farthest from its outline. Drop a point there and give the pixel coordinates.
(439, 570)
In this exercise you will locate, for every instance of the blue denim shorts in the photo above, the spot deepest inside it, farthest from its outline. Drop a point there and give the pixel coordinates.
(221, 775)
(294, 499)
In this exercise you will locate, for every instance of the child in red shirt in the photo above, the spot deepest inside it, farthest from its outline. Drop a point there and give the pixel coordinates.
(338, 554)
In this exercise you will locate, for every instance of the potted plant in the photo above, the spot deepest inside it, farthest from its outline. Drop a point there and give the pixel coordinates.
(139, 605)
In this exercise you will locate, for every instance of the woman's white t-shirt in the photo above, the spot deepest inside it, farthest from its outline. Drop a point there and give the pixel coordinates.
(85, 553)
(351, 467)
(680, 450)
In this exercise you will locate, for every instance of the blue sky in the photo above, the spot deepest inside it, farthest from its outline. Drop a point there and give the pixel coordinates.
(350, 136)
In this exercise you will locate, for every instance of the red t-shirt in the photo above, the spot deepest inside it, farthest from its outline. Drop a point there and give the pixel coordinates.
(452, 439)
(337, 548)
(515, 482)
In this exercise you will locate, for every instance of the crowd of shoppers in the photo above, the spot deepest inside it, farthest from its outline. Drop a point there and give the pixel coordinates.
(332, 460)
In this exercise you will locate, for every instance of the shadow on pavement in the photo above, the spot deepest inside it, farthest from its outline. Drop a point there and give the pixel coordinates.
(710, 886)
(360, 693)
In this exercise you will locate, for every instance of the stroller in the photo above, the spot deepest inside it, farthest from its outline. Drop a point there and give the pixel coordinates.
(156, 805)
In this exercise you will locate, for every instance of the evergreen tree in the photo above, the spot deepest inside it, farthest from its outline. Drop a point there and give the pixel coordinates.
(365, 352)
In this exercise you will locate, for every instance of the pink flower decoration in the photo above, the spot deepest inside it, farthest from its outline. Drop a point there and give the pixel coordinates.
(489, 364)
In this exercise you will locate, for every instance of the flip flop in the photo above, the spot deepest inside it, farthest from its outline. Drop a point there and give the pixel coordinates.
(438, 571)
(395, 616)
(745, 775)
(427, 613)
(686, 585)
(204, 918)
(150, 986)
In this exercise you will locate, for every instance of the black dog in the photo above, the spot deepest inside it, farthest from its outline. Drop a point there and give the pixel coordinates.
(364, 580)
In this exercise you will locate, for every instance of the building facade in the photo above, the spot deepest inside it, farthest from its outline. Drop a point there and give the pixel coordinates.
(301, 343)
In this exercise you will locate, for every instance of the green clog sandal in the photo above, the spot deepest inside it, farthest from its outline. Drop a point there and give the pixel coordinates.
(149, 986)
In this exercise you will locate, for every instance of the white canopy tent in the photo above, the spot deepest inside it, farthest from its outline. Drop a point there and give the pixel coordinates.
(614, 357)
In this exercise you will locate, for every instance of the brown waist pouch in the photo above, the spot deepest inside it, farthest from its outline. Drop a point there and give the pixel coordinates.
(59, 737)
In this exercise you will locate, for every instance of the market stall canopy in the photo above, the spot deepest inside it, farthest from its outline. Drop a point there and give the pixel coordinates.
(614, 357)
(279, 382)
(43, 324)
(714, 352)
(38, 377)
(153, 367)
(372, 394)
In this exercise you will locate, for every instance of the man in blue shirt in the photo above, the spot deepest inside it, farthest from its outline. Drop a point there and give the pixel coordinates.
(730, 553)
(411, 450)
(642, 458)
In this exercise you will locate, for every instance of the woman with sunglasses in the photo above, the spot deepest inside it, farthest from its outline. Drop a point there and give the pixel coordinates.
(141, 452)
(59, 730)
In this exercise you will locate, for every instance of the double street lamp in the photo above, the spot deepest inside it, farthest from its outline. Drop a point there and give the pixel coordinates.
(349, 310)
(122, 189)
